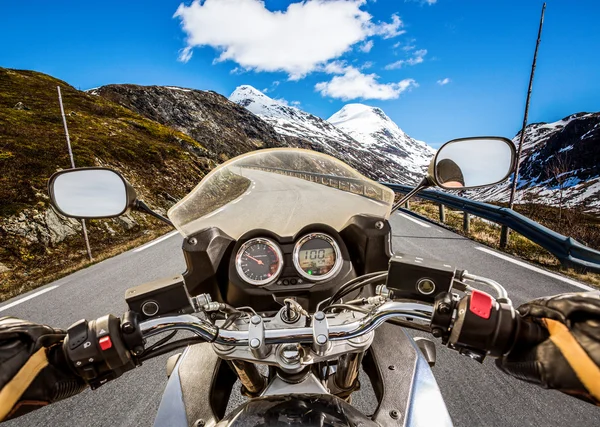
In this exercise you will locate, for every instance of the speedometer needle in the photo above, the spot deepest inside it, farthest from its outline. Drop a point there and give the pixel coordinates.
(259, 262)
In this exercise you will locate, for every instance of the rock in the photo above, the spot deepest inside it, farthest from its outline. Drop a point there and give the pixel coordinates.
(20, 106)
(127, 221)
(110, 230)
(44, 227)
(3, 268)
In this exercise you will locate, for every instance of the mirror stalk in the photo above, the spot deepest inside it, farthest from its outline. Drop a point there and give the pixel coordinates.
(143, 207)
(425, 183)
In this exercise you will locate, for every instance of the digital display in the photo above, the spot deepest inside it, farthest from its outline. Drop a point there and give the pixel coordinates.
(317, 262)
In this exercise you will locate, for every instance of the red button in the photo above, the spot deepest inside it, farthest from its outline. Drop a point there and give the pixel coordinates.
(481, 304)
(105, 343)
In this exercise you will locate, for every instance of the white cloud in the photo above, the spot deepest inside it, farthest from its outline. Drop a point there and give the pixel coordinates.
(366, 46)
(444, 81)
(296, 103)
(297, 40)
(355, 85)
(335, 67)
(387, 31)
(428, 2)
(417, 58)
(185, 54)
(366, 65)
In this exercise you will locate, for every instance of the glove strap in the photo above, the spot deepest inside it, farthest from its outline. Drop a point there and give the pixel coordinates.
(14, 389)
(586, 370)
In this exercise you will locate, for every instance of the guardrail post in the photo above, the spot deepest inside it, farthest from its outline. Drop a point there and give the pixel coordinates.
(442, 214)
(504, 237)
(407, 205)
(466, 223)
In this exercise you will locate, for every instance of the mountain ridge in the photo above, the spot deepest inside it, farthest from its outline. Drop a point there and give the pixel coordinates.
(394, 157)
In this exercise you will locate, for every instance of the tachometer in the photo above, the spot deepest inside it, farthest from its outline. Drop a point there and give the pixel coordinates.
(259, 261)
(317, 256)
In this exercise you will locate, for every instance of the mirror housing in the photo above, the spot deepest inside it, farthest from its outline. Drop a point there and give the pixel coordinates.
(90, 193)
(472, 162)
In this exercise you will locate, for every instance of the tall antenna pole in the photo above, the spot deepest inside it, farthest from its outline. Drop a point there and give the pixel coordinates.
(513, 190)
(62, 112)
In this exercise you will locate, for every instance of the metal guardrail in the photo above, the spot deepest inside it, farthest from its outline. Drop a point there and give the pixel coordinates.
(352, 185)
(569, 252)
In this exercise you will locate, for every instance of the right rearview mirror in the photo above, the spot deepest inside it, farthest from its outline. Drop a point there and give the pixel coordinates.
(90, 193)
(473, 162)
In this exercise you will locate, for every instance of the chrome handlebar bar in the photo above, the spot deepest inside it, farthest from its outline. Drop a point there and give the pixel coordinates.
(304, 335)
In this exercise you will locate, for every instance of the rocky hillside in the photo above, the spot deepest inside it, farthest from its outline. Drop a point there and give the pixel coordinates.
(222, 127)
(163, 163)
(560, 164)
(157, 160)
(362, 136)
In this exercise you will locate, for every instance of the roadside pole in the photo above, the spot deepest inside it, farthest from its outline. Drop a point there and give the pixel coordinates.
(504, 232)
(62, 112)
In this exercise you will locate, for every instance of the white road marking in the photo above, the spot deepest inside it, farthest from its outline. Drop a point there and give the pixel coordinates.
(536, 269)
(154, 242)
(28, 297)
(416, 221)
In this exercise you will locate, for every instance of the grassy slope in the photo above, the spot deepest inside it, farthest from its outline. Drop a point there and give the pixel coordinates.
(32, 147)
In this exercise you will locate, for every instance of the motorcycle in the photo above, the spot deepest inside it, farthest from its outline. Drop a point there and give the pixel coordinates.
(292, 288)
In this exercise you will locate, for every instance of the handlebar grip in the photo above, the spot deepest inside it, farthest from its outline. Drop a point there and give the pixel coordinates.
(529, 333)
(485, 327)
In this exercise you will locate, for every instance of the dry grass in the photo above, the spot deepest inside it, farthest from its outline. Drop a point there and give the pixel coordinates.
(489, 234)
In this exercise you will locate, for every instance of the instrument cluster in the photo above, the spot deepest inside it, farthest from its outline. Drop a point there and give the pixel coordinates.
(315, 257)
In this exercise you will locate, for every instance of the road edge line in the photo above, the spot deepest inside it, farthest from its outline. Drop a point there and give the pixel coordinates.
(536, 269)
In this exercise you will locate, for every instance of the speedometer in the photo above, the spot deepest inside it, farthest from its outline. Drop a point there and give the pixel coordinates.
(259, 261)
(317, 256)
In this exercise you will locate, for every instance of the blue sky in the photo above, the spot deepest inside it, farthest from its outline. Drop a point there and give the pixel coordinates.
(320, 54)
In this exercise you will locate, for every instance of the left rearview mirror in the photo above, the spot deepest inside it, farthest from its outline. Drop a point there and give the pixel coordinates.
(472, 162)
(90, 193)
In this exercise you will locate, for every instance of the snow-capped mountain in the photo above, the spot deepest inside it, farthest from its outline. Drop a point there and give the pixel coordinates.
(560, 163)
(376, 146)
(376, 131)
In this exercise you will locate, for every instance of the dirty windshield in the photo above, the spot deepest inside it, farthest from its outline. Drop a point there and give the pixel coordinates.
(281, 190)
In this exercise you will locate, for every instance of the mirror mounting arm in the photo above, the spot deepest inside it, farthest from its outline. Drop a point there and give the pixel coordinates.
(143, 207)
(425, 183)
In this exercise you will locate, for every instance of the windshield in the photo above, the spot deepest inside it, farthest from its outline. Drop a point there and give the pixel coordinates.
(281, 190)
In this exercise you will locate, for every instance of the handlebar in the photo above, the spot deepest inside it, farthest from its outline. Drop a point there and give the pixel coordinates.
(476, 325)
(303, 335)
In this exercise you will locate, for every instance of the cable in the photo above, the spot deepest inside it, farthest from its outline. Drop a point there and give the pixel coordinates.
(160, 342)
(170, 347)
(347, 307)
(230, 319)
(349, 283)
(355, 284)
(340, 294)
(410, 325)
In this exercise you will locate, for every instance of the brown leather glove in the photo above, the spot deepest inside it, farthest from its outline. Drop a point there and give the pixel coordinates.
(569, 359)
(33, 369)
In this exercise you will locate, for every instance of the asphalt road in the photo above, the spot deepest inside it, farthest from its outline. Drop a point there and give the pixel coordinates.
(271, 203)
(476, 394)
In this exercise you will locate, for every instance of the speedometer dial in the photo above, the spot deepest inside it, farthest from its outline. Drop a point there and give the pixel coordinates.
(259, 261)
(317, 256)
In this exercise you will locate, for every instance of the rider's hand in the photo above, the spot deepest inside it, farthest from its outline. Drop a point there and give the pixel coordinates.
(33, 369)
(569, 359)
